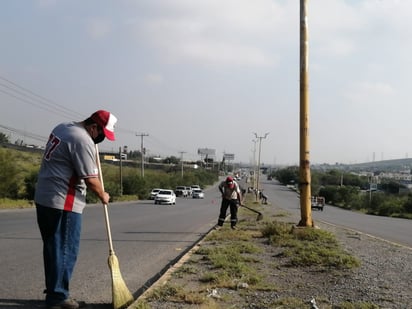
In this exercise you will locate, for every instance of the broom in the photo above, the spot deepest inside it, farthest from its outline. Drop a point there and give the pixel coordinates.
(121, 295)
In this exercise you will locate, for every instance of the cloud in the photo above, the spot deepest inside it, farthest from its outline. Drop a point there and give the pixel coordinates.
(46, 3)
(98, 28)
(370, 93)
(338, 47)
(231, 33)
(153, 79)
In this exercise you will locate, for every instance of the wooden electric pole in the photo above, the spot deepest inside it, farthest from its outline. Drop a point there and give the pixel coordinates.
(304, 166)
(181, 160)
(259, 138)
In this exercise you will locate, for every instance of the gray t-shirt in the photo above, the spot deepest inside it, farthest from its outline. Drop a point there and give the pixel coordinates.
(70, 156)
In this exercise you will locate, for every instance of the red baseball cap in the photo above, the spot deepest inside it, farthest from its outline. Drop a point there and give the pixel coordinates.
(107, 121)
(229, 181)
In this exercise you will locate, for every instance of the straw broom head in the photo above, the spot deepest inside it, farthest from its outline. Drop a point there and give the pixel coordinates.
(121, 294)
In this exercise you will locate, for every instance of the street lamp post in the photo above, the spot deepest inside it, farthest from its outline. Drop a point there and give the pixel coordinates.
(181, 160)
(142, 151)
(258, 167)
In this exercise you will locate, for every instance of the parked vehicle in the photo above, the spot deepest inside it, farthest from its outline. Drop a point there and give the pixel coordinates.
(317, 202)
(153, 193)
(198, 193)
(165, 197)
(181, 191)
(195, 187)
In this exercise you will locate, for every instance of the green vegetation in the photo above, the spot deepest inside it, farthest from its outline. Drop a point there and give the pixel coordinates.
(308, 246)
(19, 170)
(349, 191)
(17, 174)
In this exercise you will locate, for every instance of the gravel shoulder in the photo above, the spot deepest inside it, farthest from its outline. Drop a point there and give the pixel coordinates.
(383, 280)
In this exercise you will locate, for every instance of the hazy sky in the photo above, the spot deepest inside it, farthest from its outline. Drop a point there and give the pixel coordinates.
(209, 73)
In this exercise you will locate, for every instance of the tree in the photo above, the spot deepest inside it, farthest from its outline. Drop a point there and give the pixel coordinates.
(171, 160)
(407, 206)
(8, 177)
(288, 175)
(4, 139)
(30, 184)
(390, 187)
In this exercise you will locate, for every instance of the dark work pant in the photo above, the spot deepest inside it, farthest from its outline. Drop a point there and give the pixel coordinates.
(60, 231)
(233, 212)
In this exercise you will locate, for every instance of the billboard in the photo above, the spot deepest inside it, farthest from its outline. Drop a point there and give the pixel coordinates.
(229, 156)
(206, 152)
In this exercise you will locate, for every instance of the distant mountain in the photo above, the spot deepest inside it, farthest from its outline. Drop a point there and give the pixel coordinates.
(396, 165)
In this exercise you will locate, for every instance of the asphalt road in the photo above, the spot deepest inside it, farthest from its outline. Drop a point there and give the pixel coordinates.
(147, 239)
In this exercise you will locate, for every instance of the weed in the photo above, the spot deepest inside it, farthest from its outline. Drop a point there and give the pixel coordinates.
(276, 229)
(308, 246)
(165, 292)
(175, 293)
(289, 303)
(185, 269)
(141, 304)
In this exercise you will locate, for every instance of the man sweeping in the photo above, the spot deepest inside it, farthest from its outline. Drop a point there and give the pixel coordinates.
(69, 166)
(231, 197)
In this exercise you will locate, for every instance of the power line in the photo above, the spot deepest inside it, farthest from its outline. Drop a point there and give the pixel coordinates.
(27, 96)
(33, 98)
(25, 133)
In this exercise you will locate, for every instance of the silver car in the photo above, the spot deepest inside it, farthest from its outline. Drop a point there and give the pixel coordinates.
(198, 193)
(165, 197)
(153, 193)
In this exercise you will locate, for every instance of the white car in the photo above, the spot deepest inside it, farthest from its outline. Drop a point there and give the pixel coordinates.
(165, 197)
(198, 193)
(153, 193)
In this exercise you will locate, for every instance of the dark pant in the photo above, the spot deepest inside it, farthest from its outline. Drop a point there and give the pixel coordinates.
(60, 232)
(264, 199)
(233, 212)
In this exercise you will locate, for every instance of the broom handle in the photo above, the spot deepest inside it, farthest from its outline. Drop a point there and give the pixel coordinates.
(106, 213)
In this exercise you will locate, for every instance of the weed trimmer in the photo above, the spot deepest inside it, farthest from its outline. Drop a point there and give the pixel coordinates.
(120, 293)
(259, 216)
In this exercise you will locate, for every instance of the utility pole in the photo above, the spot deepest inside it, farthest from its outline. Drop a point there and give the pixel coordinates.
(304, 165)
(181, 159)
(258, 167)
(142, 150)
(254, 162)
(121, 171)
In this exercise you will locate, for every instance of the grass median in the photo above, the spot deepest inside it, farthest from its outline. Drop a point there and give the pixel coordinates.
(250, 266)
